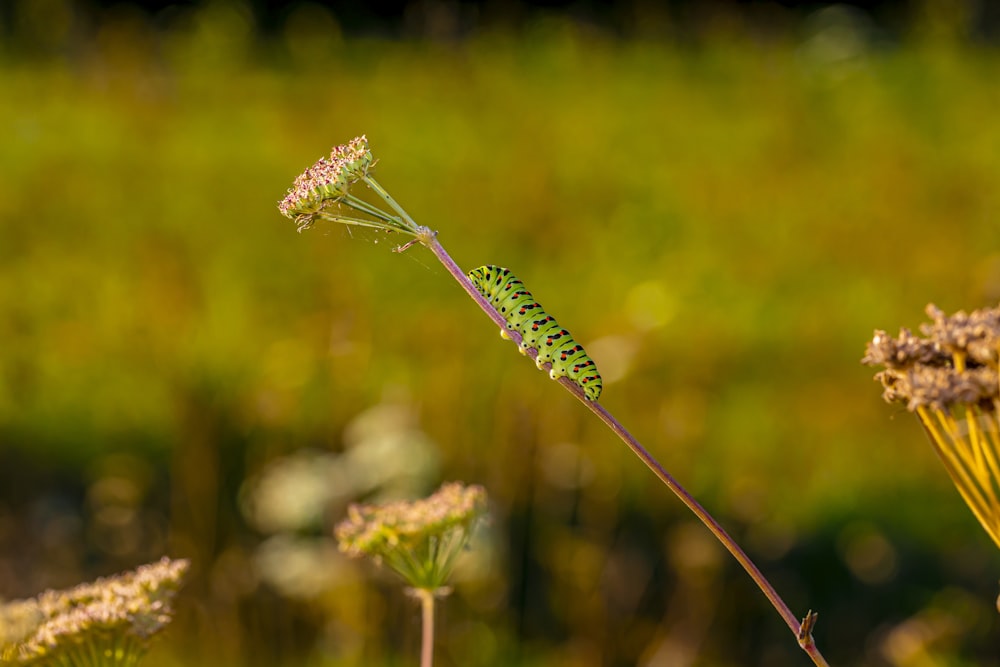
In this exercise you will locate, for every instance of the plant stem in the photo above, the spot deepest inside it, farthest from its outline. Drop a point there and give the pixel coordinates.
(384, 194)
(427, 616)
(442, 255)
(706, 518)
(801, 629)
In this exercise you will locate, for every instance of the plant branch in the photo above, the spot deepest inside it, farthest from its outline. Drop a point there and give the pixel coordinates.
(361, 205)
(351, 161)
(801, 629)
(384, 194)
(356, 222)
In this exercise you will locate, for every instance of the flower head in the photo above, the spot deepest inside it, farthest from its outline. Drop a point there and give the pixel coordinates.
(111, 618)
(327, 181)
(949, 379)
(418, 539)
(323, 191)
(955, 364)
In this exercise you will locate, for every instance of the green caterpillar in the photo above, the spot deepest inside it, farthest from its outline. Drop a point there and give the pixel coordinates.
(538, 329)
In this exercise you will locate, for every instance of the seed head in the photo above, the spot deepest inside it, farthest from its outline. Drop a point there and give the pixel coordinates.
(954, 364)
(113, 618)
(327, 181)
(949, 379)
(419, 539)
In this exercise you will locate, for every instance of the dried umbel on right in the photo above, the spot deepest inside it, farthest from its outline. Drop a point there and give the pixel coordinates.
(949, 379)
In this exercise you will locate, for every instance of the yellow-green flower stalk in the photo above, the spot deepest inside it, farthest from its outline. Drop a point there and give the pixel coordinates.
(949, 379)
(107, 623)
(420, 540)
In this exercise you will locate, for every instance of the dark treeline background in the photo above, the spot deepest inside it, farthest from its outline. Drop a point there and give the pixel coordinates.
(455, 19)
(721, 200)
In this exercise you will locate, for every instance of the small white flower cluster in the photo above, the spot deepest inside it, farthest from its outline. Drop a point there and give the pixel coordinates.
(112, 617)
(418, 539)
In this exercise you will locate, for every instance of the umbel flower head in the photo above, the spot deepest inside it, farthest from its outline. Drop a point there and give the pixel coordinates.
(949, 379)
(100, 624)
(324, 192)
(418, 539)
(327, 181)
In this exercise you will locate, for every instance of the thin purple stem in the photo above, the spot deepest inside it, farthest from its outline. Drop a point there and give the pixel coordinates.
(801, 629)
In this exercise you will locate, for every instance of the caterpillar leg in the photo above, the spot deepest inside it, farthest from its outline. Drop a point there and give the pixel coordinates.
(574, 362)
(538, 334)
(591, 385)
(551, 343)
(571, 358)
(523, 347)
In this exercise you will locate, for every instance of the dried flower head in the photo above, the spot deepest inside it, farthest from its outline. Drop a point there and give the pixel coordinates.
(955, 363)
(949, 379)
(418, 539)
(323, 191)
(107, 622)
(327, 181)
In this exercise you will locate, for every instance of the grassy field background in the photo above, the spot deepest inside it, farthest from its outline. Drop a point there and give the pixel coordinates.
(723, 221)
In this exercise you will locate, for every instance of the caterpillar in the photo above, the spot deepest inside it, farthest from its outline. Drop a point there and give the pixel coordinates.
(538, 329)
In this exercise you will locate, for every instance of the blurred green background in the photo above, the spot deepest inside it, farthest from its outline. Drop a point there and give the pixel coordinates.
(723, 215)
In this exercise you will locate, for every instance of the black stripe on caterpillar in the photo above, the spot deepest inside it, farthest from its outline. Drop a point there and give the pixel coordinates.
(538, 329)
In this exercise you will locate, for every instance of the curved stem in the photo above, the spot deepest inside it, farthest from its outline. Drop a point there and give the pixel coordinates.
(802, 629)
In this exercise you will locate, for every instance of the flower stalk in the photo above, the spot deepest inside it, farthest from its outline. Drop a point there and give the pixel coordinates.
(311, 197)
(427, 618)
(419, 540)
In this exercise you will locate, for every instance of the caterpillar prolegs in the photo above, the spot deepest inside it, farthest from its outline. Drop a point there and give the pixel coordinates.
(538, 329)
